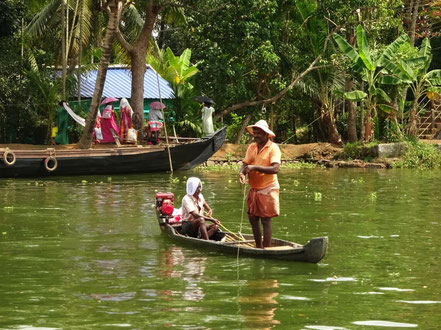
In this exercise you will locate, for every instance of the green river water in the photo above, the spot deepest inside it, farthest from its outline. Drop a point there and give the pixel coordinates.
(87, 253)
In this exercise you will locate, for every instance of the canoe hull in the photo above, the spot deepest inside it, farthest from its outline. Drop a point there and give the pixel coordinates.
(114, 160)
(312, 252)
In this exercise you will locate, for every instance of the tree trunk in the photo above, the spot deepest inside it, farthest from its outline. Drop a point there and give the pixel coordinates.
(138, 52)
(330, 126)
(412, 118)
(114, 10)
(413, 9)
(352, 115)
(367, 137)
(242, 129)
(137, 95)
(294, 129)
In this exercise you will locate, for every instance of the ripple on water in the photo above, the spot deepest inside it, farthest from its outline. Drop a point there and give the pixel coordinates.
(335, 279)
(396, 289)
(323, 327)
(419, 302)
(30, 327)
(286, 297)
(388, 324)
(114, 296)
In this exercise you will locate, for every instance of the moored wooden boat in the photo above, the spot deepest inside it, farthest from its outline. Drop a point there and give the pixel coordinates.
(108, 160)
(243, 244)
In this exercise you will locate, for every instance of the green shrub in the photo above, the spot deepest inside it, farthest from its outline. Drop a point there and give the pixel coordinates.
(420, 156)
(352, 151)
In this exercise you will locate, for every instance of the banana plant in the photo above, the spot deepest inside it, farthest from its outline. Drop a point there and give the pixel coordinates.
(413, 73)
(370, 69)
(178, 70)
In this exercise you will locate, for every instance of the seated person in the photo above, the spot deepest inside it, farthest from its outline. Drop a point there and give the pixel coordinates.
(193, 206)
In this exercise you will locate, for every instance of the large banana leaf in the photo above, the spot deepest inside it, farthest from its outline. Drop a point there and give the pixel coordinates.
(356, 95)
(380, 92)
(398, 72)
(391, 111)
(412, 74)
(434, 77)
(363, 49)
(389, 80)
(345, 47)
(390, 51)
(425, 48)
(418, 63)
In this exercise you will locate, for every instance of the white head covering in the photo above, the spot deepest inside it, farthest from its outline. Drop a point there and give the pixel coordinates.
(125, 104)
(193, 184)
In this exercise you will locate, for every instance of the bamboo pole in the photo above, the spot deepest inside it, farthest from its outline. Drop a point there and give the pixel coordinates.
(165, 126)
(80, 50)
(63, 46)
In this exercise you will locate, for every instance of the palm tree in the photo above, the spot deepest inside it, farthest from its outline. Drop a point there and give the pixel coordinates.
(114, 9)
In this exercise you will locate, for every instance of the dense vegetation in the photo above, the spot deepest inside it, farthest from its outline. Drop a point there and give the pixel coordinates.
(337, 71)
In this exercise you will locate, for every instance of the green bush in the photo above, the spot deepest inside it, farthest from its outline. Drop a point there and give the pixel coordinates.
(420, 156)
(352, 151)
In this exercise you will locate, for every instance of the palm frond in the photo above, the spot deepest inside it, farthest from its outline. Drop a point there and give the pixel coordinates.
(39, 23)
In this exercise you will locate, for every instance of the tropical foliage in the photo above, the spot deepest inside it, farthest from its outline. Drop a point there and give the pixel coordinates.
(329, 70)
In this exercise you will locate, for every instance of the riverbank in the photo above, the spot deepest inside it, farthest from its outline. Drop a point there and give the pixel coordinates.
(383, 155)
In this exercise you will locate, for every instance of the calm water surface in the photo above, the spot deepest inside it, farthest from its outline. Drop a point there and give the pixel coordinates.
(86, 252)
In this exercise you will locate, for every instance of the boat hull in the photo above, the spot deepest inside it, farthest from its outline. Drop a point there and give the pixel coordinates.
(30, 163)
(312, 252)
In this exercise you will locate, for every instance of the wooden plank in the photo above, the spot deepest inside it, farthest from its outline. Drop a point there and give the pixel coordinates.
(116, 138)
(280, 248)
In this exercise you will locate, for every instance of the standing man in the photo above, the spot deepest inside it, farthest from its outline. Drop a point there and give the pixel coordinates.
(262, 163)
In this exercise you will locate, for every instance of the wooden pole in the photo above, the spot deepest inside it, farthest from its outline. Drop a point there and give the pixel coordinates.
(80, 50)
(165, 126)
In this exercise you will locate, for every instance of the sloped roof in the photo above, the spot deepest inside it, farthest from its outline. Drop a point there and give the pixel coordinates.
(119, 83)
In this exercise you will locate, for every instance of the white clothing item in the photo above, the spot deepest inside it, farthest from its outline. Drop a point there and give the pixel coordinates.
(155, 115)
(75, 117)
(207, 120)
(126, 104)
(193, 184)
(190, 204)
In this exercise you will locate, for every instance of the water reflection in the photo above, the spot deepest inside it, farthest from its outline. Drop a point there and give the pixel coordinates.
(258, 304)
(190, 270)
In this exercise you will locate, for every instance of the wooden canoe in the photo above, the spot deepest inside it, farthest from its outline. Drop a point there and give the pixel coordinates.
(313, 251)
(108, 160)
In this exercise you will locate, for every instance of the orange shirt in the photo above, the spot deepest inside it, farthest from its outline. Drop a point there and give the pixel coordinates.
(269, 154)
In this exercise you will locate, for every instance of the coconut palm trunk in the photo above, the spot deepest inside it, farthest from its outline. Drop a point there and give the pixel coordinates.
(114, 9)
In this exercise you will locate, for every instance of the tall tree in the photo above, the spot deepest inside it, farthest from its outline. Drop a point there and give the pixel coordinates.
(114, 10)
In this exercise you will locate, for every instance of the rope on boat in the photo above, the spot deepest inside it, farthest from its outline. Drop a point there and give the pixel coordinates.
(235, 237)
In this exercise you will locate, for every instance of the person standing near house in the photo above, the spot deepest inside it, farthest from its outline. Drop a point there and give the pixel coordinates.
(261, 164)
(207, 119)
(125, 123)
(109, 128)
